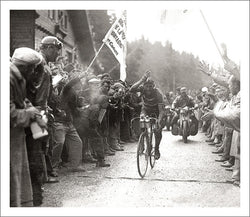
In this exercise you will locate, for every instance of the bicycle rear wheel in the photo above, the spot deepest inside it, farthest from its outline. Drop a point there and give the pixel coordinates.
(152, 152)
(142, 155)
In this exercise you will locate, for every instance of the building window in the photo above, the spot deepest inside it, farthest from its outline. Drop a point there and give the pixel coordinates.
(65, 21)
(60, 17)
(52, 14)
(62, 20)
(70, 57)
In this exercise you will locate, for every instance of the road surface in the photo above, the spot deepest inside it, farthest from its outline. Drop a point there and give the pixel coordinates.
(186, 175)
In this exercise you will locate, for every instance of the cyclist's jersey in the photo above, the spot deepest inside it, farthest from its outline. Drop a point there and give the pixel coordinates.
(181, 102)
(150, 103)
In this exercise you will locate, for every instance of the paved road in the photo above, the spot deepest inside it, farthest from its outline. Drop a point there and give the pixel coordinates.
(185, 176)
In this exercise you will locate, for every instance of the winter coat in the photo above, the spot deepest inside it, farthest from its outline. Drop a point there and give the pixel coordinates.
(20, 184)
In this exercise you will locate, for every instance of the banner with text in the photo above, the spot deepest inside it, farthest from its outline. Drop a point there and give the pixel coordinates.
(115, 40)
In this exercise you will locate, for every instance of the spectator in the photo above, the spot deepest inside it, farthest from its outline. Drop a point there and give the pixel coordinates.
(116, 92)
(22, 113)
(98, 128)
(39, 88)
(65, 134)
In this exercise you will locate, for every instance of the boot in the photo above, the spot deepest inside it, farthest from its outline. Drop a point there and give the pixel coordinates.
(157, 154)
(209, 140)
(121, 146)
(89, 159)
(218, 145)
(101, 163)
(108, 152)
(116, 147)
(218, 151)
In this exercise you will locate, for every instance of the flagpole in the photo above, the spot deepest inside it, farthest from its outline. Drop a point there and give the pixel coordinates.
(212, 35)
(113, 29)
(95, 57)
(92, 61)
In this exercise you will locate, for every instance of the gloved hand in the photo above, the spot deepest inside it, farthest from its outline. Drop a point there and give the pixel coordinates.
(203, 67)
(231, 67)
(32, 111)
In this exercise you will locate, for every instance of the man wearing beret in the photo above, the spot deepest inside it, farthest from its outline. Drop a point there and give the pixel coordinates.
(22, 65)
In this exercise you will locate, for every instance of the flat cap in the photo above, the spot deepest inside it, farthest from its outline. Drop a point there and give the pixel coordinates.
(26, 56)
(183, 89)
(118, 85)
(94, 81)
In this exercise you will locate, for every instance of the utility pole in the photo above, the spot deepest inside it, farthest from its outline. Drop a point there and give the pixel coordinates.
(174, 81)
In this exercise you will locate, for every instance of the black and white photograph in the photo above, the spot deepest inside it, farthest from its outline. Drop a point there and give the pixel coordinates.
(121, 108)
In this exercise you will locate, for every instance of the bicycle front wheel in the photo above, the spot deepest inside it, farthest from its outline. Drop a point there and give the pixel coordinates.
(152, 151)
(142, 155)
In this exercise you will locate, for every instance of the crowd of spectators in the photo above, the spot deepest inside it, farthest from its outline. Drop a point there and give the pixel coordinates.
(220, 120)
(87, 118)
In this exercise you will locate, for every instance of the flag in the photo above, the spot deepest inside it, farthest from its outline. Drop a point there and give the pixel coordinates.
(116, 41)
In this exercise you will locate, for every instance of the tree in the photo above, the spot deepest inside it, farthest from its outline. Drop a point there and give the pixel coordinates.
(169, 67)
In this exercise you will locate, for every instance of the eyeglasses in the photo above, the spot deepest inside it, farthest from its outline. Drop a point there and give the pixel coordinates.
(57, 45)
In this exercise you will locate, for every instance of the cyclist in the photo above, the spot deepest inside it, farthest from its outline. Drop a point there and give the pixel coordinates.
(152, 105)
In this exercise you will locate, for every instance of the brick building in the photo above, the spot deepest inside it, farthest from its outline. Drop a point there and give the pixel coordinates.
(28, 27)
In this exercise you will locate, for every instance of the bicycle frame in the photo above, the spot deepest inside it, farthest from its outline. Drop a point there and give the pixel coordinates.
(148, 126)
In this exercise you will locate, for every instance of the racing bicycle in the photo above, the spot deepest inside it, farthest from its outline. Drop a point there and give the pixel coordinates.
(146, 145)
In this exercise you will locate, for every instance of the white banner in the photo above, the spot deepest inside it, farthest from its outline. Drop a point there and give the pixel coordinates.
(115, 39)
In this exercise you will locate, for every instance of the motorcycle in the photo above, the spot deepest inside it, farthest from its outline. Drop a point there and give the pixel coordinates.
(184, 124)
(168, 117)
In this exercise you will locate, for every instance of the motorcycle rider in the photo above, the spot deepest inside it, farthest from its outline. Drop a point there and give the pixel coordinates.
(152, 104)
(182, 101)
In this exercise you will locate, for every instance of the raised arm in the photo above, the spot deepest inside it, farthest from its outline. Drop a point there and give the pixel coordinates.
(221, 80)
(135, 86)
